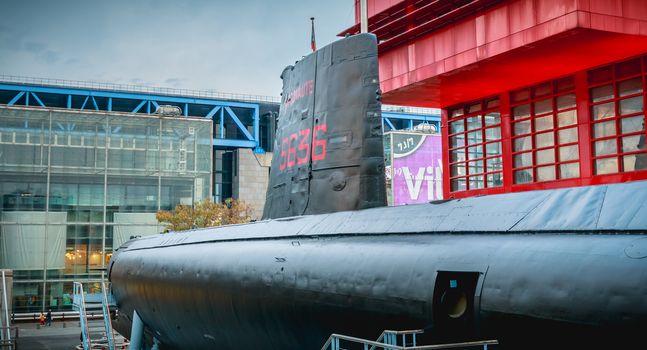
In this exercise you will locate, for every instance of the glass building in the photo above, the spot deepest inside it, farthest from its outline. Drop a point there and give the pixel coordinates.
(75, 185)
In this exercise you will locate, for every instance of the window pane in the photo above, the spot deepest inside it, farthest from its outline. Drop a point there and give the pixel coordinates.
(475, 152)
(457, 112)
(630, 87)
(569, 171)
(493, 118)
(474, 137)
(567, 135)
(522, 144)
(567, 118)
(521, 128)
(632, 124)
(475, 167)
(492, 134)
(544, 123)
(605, 147)
(627, 68)
(457, 126)
(568, 153)
(520, 95)
(631, 105)
(564, 84)
(522, 111)
(493, 149)
(494, 180)
(493, 103)
(635, 162)
(606, 166)
(602, 93)
(630, 143)
(566, 101)
(523, 176)
(604, 129)
(457, 141)
(458, 185)
(457, 169)
(476, 182)
(544, 106)
(457, 155)
(546, 173)
(523, 160)
(545, 156)
(544, 140)
(493, 164)
(603, 111)
(543, 89)
(473, 122)
(474, 108)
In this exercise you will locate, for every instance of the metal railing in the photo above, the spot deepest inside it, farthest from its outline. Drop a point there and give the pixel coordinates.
(138, 88)
(11, 342)
(5, 335)
(411, 110)
(333, 343)
(79, 304)
(391, 337)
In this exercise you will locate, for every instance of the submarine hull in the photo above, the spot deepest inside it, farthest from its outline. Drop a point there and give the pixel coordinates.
(290, 283)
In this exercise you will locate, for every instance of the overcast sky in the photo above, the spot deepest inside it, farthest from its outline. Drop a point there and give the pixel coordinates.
(238, 46)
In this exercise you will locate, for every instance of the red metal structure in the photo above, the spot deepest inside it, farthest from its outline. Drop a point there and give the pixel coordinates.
(536, 94)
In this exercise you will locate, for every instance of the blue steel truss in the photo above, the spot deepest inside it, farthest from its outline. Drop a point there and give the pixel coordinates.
(407, 121)
(223, 112)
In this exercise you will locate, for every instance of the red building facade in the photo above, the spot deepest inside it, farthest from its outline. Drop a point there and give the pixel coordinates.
(536, 94)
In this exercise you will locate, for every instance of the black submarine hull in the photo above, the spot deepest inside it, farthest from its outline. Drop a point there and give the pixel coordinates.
(463, 269)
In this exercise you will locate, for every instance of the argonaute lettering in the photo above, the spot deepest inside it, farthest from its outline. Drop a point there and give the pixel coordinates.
(306, 89)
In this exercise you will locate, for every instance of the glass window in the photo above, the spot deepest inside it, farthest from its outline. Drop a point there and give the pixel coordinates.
(569, 170)
(603, 111)
(632, 124)
(544, 140)
(631, 105)
(630, 87)
(602, 93)
(544, 123)
(471, 167)
(566, 118)
(567, 153)
(521, 112)
(606, 166)
(543, 106)
(566, 101)
(619, 141)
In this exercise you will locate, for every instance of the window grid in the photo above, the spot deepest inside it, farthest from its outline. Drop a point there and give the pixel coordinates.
(550, 151)
(617, 100)
(475, 150)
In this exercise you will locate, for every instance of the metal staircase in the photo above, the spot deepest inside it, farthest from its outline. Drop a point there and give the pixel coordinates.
(389, 340)
(96, 332)
(7, 340)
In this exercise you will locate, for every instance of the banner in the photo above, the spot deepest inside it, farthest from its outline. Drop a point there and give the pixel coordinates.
(416, 168)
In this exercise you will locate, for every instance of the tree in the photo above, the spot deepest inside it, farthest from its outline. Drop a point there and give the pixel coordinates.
(205, 214)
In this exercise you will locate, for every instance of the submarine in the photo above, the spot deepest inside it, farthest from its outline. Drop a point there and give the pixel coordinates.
(538, 269)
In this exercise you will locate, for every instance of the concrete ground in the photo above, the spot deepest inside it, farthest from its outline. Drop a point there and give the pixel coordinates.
(58, 336)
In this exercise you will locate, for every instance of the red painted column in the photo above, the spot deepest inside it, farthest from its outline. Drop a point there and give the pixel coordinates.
(444, 131)
(506, 141)
(584, 127)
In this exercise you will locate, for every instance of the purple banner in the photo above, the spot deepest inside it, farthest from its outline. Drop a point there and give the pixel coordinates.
(417, 169)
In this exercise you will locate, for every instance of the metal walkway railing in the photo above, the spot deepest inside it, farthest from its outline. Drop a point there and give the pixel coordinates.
(388, 340)
(82, 302)
(5, 331)
(391, 337)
